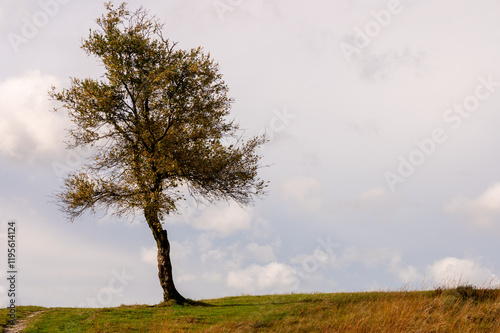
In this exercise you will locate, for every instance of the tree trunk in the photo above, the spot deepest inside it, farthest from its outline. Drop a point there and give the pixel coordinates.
(164, 264)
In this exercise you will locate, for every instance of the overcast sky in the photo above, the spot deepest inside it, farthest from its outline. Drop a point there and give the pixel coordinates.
(384, 119)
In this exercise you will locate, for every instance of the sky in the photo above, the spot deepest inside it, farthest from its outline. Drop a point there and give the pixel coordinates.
(383, 161)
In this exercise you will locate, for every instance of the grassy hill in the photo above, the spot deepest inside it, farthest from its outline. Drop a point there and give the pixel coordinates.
(464, 309)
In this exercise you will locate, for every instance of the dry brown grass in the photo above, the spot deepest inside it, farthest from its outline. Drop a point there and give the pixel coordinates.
(431, 311)
(464, 309)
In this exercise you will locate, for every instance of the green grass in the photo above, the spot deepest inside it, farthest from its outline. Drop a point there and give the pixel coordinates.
(21, 313)
(448, 310)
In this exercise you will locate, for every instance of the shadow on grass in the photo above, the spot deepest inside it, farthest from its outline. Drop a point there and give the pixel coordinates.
(189, 302)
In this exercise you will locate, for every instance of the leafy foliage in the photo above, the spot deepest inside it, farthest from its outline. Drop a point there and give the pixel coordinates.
(470, 292)
(159, 123)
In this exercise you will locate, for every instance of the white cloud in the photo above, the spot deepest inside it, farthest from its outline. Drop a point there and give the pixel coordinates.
(186, 278)
(223, 219)
(48, 244)
(393, 261)
(369, 257)
(28, 128)
(482, 211)
(269, 278)
(317, 259)
(213, 256)
(149, 256)
(204, 242)
(304, 191)
(372, 195)
(181, 252)
(453, 271)
(212, 276)
(258, 8)
(262, 253)
(261, 227)
(374, 200)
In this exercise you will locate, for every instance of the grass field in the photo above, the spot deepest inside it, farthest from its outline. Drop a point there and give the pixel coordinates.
(463, 309)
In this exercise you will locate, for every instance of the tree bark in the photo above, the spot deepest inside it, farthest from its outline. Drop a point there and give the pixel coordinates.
(164, 264)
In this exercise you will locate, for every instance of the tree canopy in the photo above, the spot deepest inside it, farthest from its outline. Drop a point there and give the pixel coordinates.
(158, 120)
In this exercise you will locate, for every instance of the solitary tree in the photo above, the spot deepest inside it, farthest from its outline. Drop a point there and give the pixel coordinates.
(158, 123)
